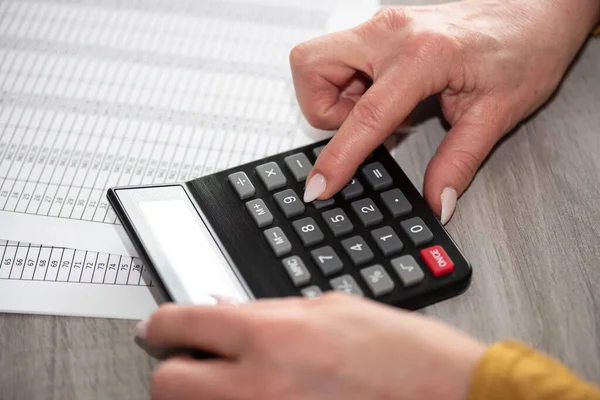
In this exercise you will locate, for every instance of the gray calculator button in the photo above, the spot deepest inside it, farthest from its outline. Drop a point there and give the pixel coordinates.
(408, 270)
(278, 241)
(352, 190)
(377, 177)
(297, 270)
(378, 280)
(299, 165)
(357, 250)
(319, 204)
(387, 240)
(338, 222)
(311, 291)
(259, 211)
(242, 185)
(346, 283)
(317, 151)
(327, 260)
(396, 203)
(271, 176)
(289, 203)
(308, 231)
(367, 212)
(417, 231)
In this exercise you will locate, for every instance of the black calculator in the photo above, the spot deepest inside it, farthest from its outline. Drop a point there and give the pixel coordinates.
(245, 233)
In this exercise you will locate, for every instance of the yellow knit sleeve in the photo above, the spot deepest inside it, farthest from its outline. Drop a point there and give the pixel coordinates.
(512, 370)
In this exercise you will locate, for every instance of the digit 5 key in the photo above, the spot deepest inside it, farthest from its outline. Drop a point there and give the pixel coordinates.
(438, 262)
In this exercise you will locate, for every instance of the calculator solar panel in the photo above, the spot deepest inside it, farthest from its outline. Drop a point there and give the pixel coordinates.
(377, 238)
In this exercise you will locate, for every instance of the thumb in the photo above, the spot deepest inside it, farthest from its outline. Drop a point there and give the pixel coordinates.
(456, 162)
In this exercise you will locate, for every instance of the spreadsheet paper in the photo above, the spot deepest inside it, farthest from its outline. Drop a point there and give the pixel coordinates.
(98, 93)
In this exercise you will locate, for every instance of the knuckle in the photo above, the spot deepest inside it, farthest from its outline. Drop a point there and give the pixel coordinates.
(465, 163)
(300, 55)
(431, 45)
(390, 19)
(367, 115)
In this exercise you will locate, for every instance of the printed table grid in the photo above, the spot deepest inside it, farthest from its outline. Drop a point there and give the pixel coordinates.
(82, 112)
(24, 261)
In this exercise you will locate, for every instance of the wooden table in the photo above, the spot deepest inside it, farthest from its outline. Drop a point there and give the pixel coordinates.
(530, 224)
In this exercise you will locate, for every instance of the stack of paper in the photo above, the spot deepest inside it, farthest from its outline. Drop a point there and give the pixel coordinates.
(97, 93)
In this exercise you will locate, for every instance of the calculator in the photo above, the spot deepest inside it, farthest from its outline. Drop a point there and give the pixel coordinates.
(245, 233)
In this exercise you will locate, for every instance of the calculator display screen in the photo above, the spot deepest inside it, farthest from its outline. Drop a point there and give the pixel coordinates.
(182, 249)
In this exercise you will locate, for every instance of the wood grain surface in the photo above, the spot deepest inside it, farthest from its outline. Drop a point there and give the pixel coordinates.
(529, 223)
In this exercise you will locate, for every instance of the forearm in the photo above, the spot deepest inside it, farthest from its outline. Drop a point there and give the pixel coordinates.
(511, 370)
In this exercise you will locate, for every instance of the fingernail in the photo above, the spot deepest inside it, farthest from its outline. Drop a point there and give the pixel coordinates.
(219, 299)
(448, 198)
(314, 188)
(141, 329)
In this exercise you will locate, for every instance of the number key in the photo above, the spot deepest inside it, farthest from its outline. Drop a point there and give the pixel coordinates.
(352, 190)
(357, 250)
(387, 240)
(289, 203)
(367, 212)
(327, 260)
(308, 231)
(338, 222)
(417, 231)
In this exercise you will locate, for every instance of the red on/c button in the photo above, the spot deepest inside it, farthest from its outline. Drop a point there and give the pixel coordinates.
(437, 261)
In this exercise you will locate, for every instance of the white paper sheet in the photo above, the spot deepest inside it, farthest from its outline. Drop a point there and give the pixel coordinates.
(38, 279)
(96, 94)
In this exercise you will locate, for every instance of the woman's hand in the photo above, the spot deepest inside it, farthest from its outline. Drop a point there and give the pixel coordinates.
(491, 62)
(336, 347)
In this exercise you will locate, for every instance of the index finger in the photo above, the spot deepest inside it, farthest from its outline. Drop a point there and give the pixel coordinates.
(374, 117)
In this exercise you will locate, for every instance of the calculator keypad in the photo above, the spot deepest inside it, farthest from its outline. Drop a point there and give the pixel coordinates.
(378, 280)
(311, 291)
(417, 231)
(346, 283)
(377, 176)
(367, 212)
(437, 260)
(327, 260)
(353, 190)
(278, 241)
(289, 203)
(242, 185)
(352, 262)
(396, 203)
(319, 204)
(271, 176)
(358, 250)
(388, 242)
(259, 211)
(297, 270)
(408, 270)
(338, 222)
(308, 231)
(299, 166)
